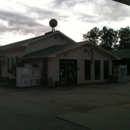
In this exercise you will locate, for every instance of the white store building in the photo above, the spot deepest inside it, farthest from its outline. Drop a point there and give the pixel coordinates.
(60, 59)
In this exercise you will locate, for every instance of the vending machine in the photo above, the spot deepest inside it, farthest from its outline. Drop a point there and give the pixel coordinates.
(28, 76)
(121, 73)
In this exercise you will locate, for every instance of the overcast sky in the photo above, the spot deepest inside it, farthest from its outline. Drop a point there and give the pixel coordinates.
(22, 19)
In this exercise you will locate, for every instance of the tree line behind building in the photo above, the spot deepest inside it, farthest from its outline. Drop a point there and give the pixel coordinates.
(109, 38)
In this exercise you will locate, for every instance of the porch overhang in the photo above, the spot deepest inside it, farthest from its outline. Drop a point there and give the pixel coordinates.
(58, 49)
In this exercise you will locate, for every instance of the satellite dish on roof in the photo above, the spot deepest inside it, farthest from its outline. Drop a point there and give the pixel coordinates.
(53, 23)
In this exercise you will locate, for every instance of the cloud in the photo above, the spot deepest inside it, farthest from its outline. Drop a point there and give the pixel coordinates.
(66, 3)
(46, 13)
(59, 3)
(101, 11)
(23, 17)
(16, 19)
(20, 23)
(3, 29)
(108, 10)
(27, 22)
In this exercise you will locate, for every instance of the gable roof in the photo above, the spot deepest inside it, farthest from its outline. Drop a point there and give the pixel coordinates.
(31, 40)
(19, 43)
(57, 49)
(124, 53)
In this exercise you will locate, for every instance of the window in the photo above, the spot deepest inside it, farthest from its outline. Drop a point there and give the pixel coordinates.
(106, 69)
(87, 70)
(44, 68)
(97, 69)
(10, 62)
(7, 63)
(35, 65)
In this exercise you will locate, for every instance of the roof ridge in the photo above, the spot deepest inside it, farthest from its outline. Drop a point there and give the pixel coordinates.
(23, 40)
(28, 39)
(33, 39)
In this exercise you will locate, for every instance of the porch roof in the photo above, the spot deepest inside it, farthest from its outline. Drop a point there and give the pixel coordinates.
(56, 49)
(124, 53)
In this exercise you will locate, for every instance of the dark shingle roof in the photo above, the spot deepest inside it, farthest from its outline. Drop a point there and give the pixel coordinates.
(124, 53)
(19, 43)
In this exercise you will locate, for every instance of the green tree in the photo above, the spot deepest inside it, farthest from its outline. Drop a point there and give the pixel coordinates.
(109, 38)
(93, 35)
(124, 38)
(106, 37)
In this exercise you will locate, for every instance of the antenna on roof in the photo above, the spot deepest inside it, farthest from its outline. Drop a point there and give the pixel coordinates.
(53, 23)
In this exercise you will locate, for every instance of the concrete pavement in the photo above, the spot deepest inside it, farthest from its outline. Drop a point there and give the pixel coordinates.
(108, 118)
(37, 108)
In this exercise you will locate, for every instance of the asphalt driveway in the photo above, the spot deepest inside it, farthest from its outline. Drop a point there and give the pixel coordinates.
(38, 108)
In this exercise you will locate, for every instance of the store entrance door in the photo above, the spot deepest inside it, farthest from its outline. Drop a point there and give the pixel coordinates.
(68, 71)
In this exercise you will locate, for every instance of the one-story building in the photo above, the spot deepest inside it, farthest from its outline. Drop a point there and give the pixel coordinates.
(59, 58)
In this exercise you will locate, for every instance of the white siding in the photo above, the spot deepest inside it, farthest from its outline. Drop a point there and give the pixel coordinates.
(79, 53)
(53, 69)
(45, 43)
(10, 53)
(81, 56)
